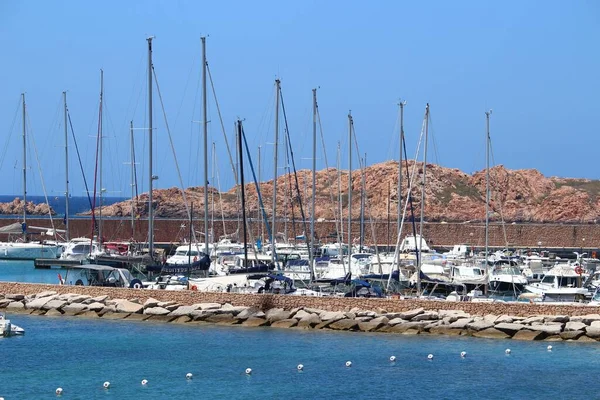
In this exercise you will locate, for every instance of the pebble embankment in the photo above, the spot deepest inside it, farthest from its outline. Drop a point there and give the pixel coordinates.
(397, 316)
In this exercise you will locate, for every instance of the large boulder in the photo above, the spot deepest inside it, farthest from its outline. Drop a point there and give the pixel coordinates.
(15, 297)
(548, 329)
(4, 302)
(479, 325)
(445, 330)
(461, 323)
(151, 302)
(504, 319)
(593, 332)
(527, 334)
(408, 315)
(97, 299)
(74, 308)
(300, 314)
(426, 316)
(369, 326)
(509, 328)
(159, 311)
(209, 306)
(344, 325)
(250, 312)
(225, 319)
(254, 322)
(54, 304)
(575, 326)
(38, 303)
(491, 333)
(276, 314)
(556, 318)
(15, 306)
(332, 315)
(285, 323)
(95, 306)
(571, 335)
(127, 306)
(181, 310)
(309, 321)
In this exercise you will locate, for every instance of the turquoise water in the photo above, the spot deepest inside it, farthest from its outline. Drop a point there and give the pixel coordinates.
(24, 271)
(79, 355)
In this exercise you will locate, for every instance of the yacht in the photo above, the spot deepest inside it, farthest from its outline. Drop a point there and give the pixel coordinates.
(506, 277)
(561, 283)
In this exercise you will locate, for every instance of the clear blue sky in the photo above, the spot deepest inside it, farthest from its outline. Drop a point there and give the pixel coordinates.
(535, 63)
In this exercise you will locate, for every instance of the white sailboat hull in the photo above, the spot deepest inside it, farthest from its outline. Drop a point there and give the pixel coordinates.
(28, 251)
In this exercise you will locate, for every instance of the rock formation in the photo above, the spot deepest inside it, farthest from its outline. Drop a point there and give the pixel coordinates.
(451, 196)
(15, 207)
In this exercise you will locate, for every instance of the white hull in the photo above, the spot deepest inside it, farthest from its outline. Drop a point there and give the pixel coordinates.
(28, 251)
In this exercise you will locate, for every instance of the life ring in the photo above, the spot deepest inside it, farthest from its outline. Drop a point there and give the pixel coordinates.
(578, 270)
(194, 288)
(136, 284)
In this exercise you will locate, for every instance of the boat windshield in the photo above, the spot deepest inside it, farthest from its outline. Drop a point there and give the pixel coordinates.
(507, 270)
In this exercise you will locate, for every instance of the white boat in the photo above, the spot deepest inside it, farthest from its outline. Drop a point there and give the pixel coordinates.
(29, 250)
(9, 329)
(81, 249)
(188, 253)
(561, 283)
(506, 277)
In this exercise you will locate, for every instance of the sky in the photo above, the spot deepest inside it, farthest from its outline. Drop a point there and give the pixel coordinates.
(534, 63)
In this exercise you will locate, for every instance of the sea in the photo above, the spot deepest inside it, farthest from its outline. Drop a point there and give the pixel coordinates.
(77, 204)
(79, 355)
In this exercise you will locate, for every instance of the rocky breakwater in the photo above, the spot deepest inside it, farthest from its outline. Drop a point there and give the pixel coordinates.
(583, 328)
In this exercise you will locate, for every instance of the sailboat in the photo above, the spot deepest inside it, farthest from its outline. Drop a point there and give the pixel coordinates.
(24, 250)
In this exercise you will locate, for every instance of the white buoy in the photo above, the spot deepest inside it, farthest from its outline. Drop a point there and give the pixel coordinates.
(144, 382)
(507, 351)
(549, 348)
(106, 385)
(189, 375)
(430, 357)
(463, 354)
(248, 371)
(348, 363)
(393, 358)
(300, 367)
(59, 391)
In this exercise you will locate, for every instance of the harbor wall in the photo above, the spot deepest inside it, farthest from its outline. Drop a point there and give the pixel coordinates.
(583, 236)
(271, 301)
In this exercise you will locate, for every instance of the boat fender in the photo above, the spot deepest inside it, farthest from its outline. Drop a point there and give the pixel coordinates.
(194, 288)
(79, 282)
(136, 284)
(106, 385)
(59, 391)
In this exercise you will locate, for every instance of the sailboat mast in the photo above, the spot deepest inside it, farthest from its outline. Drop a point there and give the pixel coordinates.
(100, 155)
(260, 220)
(205, 135)
(150, 177)
(131, 143)
(420, 245)
(339, 176)
(311, 250)
(349, 189)
(273, 229)
(362, 206)
(66, 170)
(487, 182)
(24, 172)
(243, 195)
(399, 218)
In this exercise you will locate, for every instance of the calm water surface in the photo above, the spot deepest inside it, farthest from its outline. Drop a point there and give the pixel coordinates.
(79, 355)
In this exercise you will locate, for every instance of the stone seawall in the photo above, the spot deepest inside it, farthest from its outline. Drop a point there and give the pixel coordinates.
(267, 301)
(585, 236)
(400, 316)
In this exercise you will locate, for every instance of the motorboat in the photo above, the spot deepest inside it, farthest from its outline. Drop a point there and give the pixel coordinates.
(9, 329)
(99, 275)
(506, 277)
(187, 254)
(81, 249)
(562, 283)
